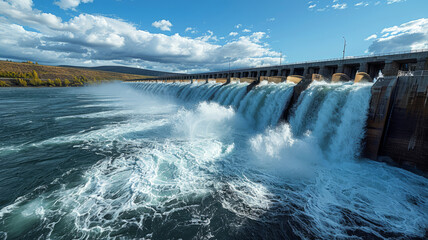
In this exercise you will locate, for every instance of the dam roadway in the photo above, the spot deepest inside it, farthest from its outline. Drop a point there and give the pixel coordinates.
(397, 118)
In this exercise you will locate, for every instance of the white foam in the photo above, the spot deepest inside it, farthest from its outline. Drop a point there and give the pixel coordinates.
(144, 178)
(103, 114)
(374, 197)
(208, 119)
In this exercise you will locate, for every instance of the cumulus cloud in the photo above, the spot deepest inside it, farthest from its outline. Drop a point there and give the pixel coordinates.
(22, 12)
(95, 40)
(70, 4)
(233, 34)
(312, 6)
(246, 30)
(412, 35)
(163, 25)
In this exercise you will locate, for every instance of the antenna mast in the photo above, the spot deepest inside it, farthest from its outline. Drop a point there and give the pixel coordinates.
(344, 47)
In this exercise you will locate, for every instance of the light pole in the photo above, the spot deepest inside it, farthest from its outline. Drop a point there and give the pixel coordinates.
(280, 58)
(229, 66)
(344, 47)
(228, 75)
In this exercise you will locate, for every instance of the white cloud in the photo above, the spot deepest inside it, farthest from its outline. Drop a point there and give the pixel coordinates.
(22, 4)
(191, 30)
(233, 34)
(163, 25)
(246, 30)
(209, 36)
(23, 13)
(362, 4)
(407, 36)
(340, 6)
(394, 1)
(271, 19)
(373, 36)
(238, 26)
(70, 4)
(99, 40)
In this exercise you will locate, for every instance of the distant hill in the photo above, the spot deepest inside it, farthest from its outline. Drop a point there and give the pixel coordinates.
(52, 72)
(127, 70)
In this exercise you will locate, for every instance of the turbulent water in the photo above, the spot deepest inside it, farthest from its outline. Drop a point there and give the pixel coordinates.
(198, 161)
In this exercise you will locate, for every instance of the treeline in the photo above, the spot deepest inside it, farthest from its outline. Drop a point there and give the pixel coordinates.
(24, 70)
(18, 75)
(32, 79)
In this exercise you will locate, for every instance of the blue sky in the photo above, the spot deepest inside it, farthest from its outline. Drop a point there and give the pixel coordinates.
(197, 36)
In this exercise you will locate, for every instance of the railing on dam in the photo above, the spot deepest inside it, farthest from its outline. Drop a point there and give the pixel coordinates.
(413, 73)
(356, 57)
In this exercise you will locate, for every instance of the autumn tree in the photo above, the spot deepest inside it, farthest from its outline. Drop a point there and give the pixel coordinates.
(21, 82)
(58, 82)
(51, 83)
(4, 84)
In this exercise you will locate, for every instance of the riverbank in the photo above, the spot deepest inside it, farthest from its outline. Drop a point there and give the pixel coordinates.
(19, 82)
(29, 74)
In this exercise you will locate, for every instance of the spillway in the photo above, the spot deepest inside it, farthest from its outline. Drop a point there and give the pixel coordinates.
(333, 114)
(262, 106)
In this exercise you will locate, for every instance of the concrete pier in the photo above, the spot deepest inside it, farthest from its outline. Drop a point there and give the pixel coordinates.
(397, 129)
(379, 111)
(301, 86)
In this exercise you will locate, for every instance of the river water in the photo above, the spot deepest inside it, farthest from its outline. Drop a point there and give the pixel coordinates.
(198, 161)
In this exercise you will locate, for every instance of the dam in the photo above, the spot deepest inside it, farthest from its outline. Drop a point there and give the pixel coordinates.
(388, 64)
(395, 123)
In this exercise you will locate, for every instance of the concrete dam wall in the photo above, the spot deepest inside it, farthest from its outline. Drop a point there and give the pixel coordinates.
(397, 125)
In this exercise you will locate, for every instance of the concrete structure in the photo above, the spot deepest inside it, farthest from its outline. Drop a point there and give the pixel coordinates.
(397, 125)
(301, 86)
(340, 77)
(362, 77)
(389, 64)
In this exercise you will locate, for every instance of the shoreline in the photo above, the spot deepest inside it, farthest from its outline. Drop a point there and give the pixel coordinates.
(40, 83)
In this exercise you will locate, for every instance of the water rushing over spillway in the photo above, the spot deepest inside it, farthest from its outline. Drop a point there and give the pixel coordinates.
(198, 161)
(262, 107)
